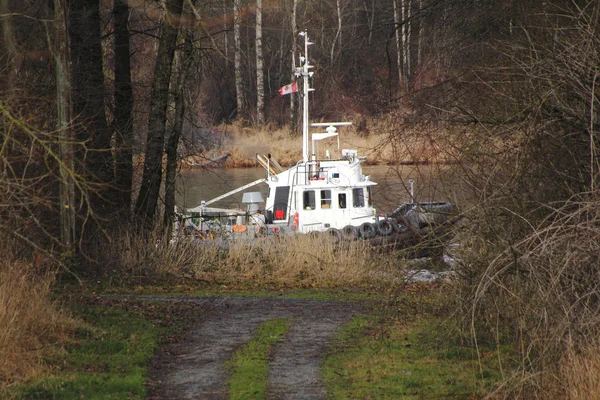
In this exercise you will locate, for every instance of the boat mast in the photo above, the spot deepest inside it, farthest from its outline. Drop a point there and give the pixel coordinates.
(305, 73)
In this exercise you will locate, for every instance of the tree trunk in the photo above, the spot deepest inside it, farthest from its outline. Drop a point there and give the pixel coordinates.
(147, 200)
(397, 28)
(63, 103)
(10, 52)
(237, 42)
(421, 33)
(293, 96)
(173, 142)
(225, 30)
(88, 104)
(338, 33)
(403, 41)
(123, 106)
(408, 44)
(260, 89)
(370, 18)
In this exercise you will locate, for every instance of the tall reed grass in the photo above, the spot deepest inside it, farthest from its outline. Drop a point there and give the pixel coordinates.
(32, 325)
(304, 260)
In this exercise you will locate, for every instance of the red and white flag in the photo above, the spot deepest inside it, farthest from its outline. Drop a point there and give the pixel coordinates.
(287, 89)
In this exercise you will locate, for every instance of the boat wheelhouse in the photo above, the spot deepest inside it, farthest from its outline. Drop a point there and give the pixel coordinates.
(318, 195)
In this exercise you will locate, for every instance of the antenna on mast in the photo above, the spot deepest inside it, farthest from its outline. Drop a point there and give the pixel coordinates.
(304, 72)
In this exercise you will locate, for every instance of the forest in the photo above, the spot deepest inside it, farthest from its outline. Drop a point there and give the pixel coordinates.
(100, 99)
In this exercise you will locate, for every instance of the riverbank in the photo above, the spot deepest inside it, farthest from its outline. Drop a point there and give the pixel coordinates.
(382, 142)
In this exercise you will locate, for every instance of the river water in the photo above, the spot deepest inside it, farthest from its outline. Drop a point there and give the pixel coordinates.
(391, 190)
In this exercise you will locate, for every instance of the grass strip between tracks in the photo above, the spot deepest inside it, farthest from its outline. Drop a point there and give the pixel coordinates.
(249, 366)
(375, 359)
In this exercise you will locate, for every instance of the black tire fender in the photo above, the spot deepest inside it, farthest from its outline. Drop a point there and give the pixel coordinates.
(367, 230)
(385, 227)
(349, 233)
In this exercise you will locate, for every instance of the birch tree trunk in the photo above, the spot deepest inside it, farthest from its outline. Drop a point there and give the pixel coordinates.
(338, 33)
(147, 200)
(293, 108)
(260, 90)
(225, 30)
(407, 43)
(123, 106)
(65, 132)
(420, 33)
(237, 42)
(370, 18)
(403, 41)
(397, 28)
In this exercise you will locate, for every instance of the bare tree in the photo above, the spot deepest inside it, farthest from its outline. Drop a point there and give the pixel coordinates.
(398, 35)
(237, 42)
(178, 121)
(293, 96)
(10, 47)
(260, 76)
(370, 17)
(420, 35)
(65, 132)
(88, 94)
(123, 106)
(147, 200)
(338, 33)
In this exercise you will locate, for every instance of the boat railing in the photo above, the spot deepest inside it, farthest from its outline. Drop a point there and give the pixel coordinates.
(314, 170)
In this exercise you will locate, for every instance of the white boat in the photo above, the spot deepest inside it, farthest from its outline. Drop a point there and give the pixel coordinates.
(321, 193)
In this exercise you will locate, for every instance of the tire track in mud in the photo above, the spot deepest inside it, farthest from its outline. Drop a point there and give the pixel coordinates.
(194, 368)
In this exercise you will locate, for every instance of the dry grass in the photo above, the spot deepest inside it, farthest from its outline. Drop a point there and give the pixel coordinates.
(152, 253)
(302, 260)
(32, 326)
(540, 293)
(410, 146)
(580, 373)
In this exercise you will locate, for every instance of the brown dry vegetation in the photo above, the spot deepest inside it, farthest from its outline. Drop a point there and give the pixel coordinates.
(376, 141)
(32, 326)
(302, 260)
(535, 285)
(580, 373)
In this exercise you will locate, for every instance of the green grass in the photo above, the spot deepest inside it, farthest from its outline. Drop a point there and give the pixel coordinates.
(249, 365)
(383, 360)
(109, 362)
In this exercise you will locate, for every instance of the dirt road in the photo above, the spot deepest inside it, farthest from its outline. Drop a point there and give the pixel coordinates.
(194, 368)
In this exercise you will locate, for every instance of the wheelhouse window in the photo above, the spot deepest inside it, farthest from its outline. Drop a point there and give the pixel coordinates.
(309, 202)
(369, 197)
(358, 198)
(325, 198)
(342, 200)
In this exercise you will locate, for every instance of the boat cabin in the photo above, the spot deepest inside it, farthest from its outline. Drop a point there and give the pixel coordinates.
(321, 194)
